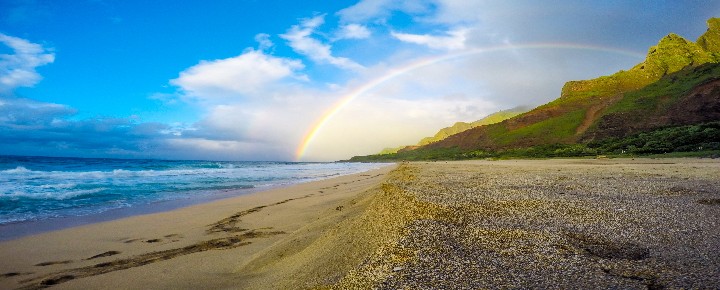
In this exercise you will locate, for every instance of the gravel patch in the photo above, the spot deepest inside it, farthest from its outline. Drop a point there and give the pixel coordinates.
(559, 224)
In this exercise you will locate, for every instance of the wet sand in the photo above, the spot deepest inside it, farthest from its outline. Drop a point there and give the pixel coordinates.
(611, 223)
(196, 247)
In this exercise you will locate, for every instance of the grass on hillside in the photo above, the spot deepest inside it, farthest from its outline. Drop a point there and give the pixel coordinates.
(666, 90)
(559, 129)
(693, 140)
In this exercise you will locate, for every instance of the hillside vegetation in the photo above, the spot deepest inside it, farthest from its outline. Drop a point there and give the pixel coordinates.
(460, 127)
(677, 85)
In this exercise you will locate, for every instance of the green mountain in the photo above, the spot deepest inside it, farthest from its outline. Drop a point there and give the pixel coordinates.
(677, 84)
(460, 127)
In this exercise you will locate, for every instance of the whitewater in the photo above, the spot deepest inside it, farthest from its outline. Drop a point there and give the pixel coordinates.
(42, 188)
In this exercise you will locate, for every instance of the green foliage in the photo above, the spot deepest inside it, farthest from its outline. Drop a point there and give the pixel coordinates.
(559, 129)
(700, 137)
(458, 127)
(540, 151)
(391, 150)
(462, 126)
(653, 101)
(672, 54)
(710, 41)
(413, 155)
(646, 97)
(699, 140)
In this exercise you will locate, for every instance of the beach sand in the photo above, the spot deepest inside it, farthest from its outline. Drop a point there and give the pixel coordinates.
(581, 223)
(198, 247)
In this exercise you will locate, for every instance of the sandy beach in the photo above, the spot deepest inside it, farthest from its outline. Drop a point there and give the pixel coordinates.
(196, 247)
(610, 223)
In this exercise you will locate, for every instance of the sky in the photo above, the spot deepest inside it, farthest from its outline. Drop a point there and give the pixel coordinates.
(298, 80)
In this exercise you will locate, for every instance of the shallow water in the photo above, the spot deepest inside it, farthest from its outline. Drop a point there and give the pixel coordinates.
(41, 188)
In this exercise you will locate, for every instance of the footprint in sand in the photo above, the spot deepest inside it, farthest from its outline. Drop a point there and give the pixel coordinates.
(106, 254)
(56, 280)
(14, 274)
(174, 237)
(43, 264)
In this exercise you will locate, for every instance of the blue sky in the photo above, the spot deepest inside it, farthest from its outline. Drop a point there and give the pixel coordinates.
(247, 80)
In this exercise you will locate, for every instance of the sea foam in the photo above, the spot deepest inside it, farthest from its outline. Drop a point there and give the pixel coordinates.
(33, 188)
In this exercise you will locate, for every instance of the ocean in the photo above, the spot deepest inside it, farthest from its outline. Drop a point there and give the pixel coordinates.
(46, 188)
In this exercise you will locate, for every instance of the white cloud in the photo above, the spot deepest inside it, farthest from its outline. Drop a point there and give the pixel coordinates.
(269, 129)
(353, 31)
(264, 41)
(299, 38)
(18, 69)
(453, 40)
(252, 108)
(243, 75)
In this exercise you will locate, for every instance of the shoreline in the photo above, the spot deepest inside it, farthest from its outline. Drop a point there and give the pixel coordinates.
(16, 230)
(610, 223)
(136, 250)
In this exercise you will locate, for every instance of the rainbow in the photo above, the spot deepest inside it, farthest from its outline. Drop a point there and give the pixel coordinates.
(398, 71)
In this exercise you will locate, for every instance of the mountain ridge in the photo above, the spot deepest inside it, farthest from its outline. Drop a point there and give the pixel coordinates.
(460, 127)
(676, 84)
(558, 121)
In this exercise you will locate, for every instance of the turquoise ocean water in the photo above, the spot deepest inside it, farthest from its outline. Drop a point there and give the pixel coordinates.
(42, 188)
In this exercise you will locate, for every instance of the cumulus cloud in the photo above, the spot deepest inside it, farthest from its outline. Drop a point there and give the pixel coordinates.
(243, 75)
(453, 40)
(299, 38)
(353, 31)
(254, 107)
(18, 69)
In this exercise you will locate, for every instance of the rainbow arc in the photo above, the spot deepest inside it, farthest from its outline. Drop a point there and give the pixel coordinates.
(393, 73)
